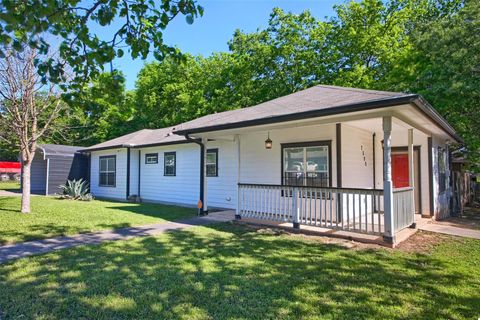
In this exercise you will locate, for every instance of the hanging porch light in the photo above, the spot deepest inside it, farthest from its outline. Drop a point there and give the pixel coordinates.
(268, 142)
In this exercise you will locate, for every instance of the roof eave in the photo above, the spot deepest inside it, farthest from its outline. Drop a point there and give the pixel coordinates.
(138, 146)
(118, 146)
(161, 144)
(355, 107)
(416, 99)
(430, 112)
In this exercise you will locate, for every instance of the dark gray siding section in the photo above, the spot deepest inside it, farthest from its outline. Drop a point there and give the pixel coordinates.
(59, 168)
(79, 169)
(63, 168)
(38, 174)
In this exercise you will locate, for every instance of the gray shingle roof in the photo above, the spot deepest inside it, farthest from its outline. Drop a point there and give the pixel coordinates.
(306, 103)
(320, 97)
(143, 137)
(58, 149)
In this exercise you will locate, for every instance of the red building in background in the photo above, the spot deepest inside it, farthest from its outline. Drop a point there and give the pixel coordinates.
(9, 170)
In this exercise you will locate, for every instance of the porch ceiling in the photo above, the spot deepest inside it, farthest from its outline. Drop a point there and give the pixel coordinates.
(376, 126)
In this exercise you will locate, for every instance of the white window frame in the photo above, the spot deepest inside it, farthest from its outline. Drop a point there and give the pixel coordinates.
(107, 171)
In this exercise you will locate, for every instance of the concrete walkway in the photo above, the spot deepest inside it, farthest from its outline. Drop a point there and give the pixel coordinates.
(453, 231)
(24, 249)
(10, 193)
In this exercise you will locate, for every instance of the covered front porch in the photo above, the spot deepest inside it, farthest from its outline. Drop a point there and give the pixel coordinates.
(351, 175)
(333, 175)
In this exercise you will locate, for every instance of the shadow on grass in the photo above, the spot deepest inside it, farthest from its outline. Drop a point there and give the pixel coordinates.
(166, 212)
(227, 271)
(69, 217)
(17, 191)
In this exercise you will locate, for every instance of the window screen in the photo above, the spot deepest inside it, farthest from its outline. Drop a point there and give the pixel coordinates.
(107, 171)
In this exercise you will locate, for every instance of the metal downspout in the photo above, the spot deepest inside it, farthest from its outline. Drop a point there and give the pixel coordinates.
(202, 169)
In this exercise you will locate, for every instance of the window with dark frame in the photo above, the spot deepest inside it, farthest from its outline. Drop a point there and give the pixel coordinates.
(306, 164)
(107, 171)
(151, 158)
(170, 163)
(212, 163)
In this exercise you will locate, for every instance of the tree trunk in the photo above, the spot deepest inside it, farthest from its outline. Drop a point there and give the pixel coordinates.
(26, 187)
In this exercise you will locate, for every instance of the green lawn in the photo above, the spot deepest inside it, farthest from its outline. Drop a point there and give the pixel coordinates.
(231, 272)
(9, 185)
(52, 217)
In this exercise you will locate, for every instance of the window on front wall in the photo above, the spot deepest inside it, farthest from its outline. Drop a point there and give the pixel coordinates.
(170, 164)
(306, 164)
(442, 168)
(107, 171)
(212, 163)
(151, 158)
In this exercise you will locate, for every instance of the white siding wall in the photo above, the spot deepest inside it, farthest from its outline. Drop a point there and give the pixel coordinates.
(222, 190)
(119, 191)
(180, 189)
(357, 158)
(357, 171)
(262, 166)
(134, 171)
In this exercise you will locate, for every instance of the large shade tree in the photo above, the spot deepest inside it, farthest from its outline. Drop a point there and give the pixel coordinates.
(102, 111)
(168, 92)
(28, 106)
(72, 26)
(444, 66)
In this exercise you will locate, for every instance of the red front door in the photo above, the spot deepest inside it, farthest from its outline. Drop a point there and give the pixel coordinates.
(400, 170)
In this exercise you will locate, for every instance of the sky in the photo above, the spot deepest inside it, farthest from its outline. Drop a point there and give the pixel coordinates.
(221, 18)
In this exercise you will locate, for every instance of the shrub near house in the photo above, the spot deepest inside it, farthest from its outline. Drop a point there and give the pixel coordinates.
(76, 190)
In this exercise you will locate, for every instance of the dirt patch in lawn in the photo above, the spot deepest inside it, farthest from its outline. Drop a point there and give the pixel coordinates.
(423, 242)
(350, 244)
(420, 242)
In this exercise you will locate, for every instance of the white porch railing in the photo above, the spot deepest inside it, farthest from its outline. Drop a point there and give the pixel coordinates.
(358, 210)
(403, 208)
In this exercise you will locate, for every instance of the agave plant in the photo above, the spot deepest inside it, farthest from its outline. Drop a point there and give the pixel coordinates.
(76, 190)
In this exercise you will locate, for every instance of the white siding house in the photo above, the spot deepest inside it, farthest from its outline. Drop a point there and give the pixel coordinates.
(342, 158)
(149, 182)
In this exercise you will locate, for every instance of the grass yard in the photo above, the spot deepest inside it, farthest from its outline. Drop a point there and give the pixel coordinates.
(233, 272)
(53, 217)
(9, 185)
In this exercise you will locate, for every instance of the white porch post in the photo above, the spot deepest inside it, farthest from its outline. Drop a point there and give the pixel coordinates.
(387, 180)
(295, 208)
(238, 215)
(411, 172)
